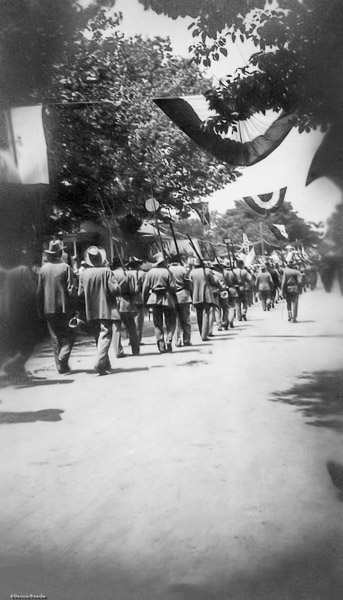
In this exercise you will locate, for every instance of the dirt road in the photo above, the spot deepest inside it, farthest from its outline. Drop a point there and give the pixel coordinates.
(196, 475)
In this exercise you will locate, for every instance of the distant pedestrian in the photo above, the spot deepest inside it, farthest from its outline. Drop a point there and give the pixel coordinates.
(244, 284)
(55, 302)
(159, 294)
(264, 283)
(99, 288)
(231, 282)
(291, 287)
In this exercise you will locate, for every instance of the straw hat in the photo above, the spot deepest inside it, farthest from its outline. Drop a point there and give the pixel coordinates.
(95, 257)
(55, 248)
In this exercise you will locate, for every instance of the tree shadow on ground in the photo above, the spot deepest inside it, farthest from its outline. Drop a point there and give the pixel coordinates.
(319, 396)
(50, 414)
(312, 572)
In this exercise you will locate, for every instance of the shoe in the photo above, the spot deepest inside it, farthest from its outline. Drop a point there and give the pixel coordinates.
(294, 320)
(169, 347)
(231, 325)
(63, 368)
(219, 328)
(161, 346)
(121, 355)
(101, 371)
(187, 344)
(289, 317)
(179, 343)
(244, 317)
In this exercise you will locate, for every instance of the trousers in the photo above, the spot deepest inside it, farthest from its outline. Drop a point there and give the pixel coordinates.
(183, 323)
(203, 311)
(160, 313)
(62, 339)
(128, 320)
(103, 332)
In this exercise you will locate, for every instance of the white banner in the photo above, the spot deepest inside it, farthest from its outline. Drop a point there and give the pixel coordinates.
(23, 153)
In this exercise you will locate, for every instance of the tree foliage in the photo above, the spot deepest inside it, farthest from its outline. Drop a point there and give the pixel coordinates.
(110, 148)
(113, 148)
(297, 66)
(242, 219)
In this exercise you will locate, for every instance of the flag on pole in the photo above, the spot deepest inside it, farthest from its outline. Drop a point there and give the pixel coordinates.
(253, 141)
(282, 230)
(203, 212)
(250, 258)
(245, 243)
(23, 153)
(265, 204)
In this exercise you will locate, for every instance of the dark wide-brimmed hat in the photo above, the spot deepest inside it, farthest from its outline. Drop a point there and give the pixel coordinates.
(133, 260)
(56, 247)
(95, 257)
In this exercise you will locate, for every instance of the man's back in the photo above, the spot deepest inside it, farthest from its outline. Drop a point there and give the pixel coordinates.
(55, 287)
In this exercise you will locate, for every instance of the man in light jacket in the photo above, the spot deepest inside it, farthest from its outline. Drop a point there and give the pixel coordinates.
(98, 287)
(159, 293)
(203, 282)
(183, 301)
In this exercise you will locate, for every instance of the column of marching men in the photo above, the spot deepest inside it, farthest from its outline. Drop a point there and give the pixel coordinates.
(110, 296)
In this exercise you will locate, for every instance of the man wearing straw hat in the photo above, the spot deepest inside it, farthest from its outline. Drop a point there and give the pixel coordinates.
(55, 294)
(99, 289)
(159, 293)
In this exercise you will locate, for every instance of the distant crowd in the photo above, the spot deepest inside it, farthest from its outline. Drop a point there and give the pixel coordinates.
(104, 298)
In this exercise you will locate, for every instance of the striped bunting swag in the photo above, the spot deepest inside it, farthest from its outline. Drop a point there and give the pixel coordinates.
(265, 204)
(253, 141)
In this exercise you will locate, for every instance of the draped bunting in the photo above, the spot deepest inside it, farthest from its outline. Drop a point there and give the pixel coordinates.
(254, 140)
(265, 204)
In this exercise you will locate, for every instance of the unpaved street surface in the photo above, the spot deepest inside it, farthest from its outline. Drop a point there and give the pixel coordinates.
(196, 475)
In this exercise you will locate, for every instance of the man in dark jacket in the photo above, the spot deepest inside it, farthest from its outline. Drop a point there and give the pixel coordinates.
(98, 287)
(55, 295)
(159, 293)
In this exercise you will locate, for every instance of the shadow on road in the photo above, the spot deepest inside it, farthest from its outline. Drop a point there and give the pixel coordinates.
(319, 396)
(50, 414)
(309, 573)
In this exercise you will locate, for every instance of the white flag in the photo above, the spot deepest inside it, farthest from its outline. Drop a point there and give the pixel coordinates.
(282, 230)
(250, 258)
(23, 153)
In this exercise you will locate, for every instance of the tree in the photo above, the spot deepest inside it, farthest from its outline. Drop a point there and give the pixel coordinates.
(297, 66)
(34, 35)
(242, 219)
(113, 149)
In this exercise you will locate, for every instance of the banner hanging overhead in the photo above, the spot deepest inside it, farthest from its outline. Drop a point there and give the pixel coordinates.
(253, 141)
(265, 204)
(23, 153)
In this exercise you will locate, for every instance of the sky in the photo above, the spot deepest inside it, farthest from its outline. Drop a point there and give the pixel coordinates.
(286, 166)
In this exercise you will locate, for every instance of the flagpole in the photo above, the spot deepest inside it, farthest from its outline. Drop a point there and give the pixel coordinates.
(262, 240)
